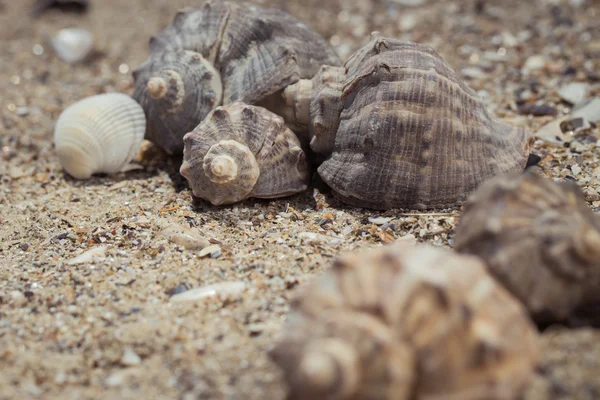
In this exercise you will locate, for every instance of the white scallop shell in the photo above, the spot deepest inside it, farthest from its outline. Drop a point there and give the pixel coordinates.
(99, 134)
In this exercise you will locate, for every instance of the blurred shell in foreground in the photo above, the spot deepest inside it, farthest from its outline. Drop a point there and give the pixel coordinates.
(100, 134)
(539, 238)
(404, 322)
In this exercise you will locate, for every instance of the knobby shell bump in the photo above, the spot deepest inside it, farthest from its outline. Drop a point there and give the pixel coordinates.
(406, 322)
(539, 238)
(99, 134)
(241, 151)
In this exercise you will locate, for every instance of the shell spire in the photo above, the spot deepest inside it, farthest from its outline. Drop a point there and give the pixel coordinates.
(179, 88)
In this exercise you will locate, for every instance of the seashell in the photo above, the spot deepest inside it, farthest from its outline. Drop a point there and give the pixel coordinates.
(99, 134)
(406, 322)
(538, 238)
(402, 130)
(72, 45)
(218, 54)
(243, 151)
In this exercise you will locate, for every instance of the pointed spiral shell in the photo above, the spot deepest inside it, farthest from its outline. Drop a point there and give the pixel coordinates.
(177, 90)
(403, 322)
(539, 238)
(242, 151)
(99, 134)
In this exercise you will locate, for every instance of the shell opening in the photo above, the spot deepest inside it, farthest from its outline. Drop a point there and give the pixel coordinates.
(223, 168)
(157, 87)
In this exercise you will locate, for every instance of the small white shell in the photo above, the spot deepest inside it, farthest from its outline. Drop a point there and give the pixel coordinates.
(99, 134)
(73, 44)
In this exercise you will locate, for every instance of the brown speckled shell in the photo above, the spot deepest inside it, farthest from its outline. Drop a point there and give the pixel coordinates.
(539, 238)
(269, 161)
(412, 135)
(257, 52)
(405, 322)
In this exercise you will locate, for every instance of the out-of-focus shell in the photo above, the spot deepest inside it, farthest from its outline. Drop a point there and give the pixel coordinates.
(539, 238)
(241, 151)
(405, 322)
(99, 134)
(410, 133)
(256, 51)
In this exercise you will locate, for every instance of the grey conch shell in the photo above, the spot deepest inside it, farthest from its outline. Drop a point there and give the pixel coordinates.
(218, 54)
(539, 238)
(99, 134)
(404, 322)
(402, 130)
(241, 151)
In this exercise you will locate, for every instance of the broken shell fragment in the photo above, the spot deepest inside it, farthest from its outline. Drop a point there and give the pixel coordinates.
(406, 322)
(99, 134)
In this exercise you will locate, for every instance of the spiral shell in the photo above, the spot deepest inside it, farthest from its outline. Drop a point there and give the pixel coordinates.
(404, 322)
(243, 151)
(221, 53)
(539, 238)
(99, 134)
(402, 131)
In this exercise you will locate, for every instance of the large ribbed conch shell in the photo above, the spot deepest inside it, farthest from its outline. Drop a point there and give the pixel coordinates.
(403, 323)
(221, 53)
(539, 238)
(402, 130)
(241, 151)
(100, 134)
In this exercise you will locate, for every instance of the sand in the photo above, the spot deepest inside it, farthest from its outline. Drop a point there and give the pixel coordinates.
(109, 328)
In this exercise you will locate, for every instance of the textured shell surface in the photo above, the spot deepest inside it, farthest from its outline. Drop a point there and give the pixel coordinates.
(99, 134)
(241, 151)
(406, 322)
(539, 238)
(410, 134)
(255, 52)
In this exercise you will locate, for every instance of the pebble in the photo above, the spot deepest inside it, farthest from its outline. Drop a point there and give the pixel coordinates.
(88, 256)
(537, 110)
(185, 237)
(73, 45)
(223, 289)
(473, 72)
(590, 111)
(18, 298)
(214, 251)
(379, 220)
(316, 238)
(130, 358)
(409, 3)
(573, 93)
(575, 169)
(408, 22)
(535, 62)
(552, 131)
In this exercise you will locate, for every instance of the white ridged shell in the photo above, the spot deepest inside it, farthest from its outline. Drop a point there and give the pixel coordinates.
(99, 134)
